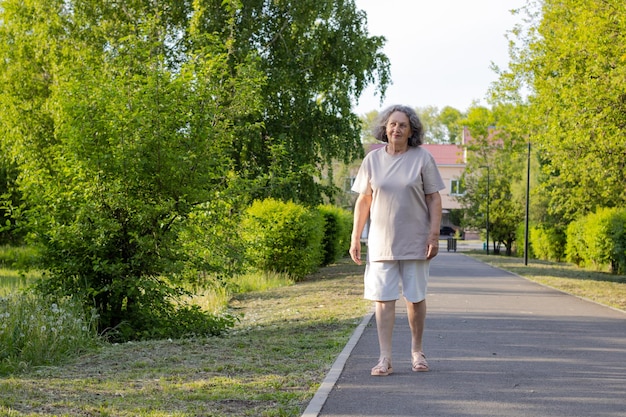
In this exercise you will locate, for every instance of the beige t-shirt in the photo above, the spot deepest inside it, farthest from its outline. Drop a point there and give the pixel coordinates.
(399, 218)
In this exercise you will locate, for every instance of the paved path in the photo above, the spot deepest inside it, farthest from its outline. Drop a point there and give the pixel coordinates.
(498, 345)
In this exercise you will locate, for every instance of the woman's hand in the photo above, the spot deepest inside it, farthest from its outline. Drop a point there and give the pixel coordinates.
(432, 248)
(355, 251)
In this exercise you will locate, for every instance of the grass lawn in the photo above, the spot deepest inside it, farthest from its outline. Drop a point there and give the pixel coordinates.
(271, 364)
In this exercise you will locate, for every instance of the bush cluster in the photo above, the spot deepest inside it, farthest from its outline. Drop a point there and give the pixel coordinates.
(547, 243)
(168, 318)
(290, 238)
(337, 232)
(598, 240)
(277, 237)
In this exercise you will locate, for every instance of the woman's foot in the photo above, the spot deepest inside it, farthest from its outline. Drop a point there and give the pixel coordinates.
(382, 368)
(418, 360)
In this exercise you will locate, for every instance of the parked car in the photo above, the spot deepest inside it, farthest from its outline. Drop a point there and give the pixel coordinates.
(450, 231)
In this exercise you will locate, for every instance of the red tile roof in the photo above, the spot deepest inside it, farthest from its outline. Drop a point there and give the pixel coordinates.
(446, 154)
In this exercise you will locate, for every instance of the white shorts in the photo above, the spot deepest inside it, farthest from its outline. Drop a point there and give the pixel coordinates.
(382, 280)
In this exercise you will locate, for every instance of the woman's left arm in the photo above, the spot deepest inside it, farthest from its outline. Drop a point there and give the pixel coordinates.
(433, 201)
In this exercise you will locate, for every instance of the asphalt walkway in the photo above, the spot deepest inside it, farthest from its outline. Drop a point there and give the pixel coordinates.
(497, 345)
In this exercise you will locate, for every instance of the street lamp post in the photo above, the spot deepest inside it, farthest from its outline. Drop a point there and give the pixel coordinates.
(527, 206)
(488, 198)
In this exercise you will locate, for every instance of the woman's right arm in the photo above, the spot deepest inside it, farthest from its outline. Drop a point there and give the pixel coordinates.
(361, 214)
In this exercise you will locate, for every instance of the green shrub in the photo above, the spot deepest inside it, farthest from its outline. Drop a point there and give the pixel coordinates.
(598, 240)
(337, 229)
(575, 247)
(37, 331)
(191, 320)
(520, 240)
(547, 243)
(11, 202)
(598, 233)
(618, 228)
(283, 237)
(211, 243)
(171, 318)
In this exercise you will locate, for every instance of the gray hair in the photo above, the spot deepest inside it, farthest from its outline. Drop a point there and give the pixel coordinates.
(416, 138)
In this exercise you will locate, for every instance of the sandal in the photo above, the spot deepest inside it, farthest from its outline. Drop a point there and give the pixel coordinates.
(382, 368)
(419, 362)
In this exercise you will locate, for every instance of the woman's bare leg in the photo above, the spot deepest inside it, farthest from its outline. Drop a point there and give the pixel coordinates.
(417, 318)
(385, 320)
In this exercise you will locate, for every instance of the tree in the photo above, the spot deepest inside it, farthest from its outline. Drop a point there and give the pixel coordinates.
(368, 121)
(10, 202)
(434, 131)
(451, 119)
(127, 119)
(318, 58)
(441, 126)
(117, 139)
(576, 99)
(495, 163)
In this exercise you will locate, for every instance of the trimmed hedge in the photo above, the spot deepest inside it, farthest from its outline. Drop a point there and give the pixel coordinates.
(283, 237)
(337, 231)
(547, 243)
(619, 237)
(575, 247)
(598, 240)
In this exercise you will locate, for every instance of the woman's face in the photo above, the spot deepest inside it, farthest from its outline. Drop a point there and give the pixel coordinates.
(398, 128)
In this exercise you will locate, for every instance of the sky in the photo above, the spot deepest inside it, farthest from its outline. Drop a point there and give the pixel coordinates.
(440, 50)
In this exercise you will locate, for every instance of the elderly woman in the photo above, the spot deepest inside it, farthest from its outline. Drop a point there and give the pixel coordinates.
(398, 188)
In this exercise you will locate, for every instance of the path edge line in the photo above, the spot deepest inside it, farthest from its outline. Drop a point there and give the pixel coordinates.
(320, 397)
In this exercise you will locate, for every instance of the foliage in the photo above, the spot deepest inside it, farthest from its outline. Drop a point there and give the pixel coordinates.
(337, 232)
(118, 139)
(598, 240)
(441, 126)
(317, 58)
(184, 322)
(129, 122)
(283, 237)
(10, 202)
(598, 232)
(618, 235)
(547, 244)
(37, 331)
(451, 119)
(576, 98)
(520, 241)
(368, 122)
(210, 241)
(343, 178)
(18, 269)
(575, 247)
(495, 163)
(456, 216)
